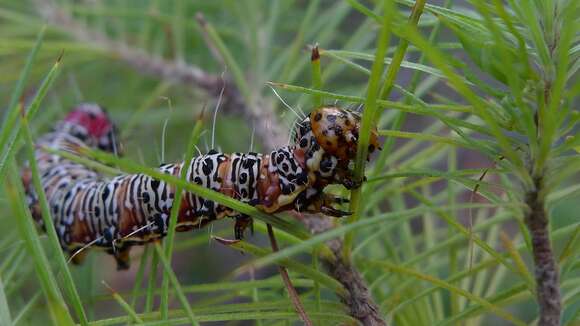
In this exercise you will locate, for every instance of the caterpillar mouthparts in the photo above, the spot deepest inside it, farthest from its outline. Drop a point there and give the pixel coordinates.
(131, 209)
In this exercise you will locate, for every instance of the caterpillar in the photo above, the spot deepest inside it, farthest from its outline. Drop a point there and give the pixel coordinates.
(132, 209)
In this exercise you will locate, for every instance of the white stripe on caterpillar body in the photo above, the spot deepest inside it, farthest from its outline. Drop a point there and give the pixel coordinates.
(134, 209)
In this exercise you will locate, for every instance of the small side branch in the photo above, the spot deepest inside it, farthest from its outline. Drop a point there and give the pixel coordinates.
(289, 286)
(546, 270)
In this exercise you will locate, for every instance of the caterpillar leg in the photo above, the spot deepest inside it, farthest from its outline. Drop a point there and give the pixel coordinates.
(351, 183)
(340, 200)
(242, 223)
(324, 204)
(328, 209)
(122, 256)
(331, 211)
(321, 203)
(347, 179)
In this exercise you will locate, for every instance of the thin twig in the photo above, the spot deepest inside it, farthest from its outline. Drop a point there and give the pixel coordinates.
(177, 72)
(291, 290)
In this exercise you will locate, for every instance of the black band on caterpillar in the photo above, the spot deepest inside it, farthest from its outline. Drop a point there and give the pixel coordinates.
(134, 209)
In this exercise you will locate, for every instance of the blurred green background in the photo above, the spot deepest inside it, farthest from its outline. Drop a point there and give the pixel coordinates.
(270, 41)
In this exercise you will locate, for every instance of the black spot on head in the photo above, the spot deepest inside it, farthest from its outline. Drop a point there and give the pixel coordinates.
(303, 142)
(318, 116)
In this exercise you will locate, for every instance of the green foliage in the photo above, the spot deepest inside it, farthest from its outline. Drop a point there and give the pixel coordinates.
(478, 96)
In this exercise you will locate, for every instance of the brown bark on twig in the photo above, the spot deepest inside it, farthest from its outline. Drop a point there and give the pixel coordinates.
(546, 270)
(358, 298)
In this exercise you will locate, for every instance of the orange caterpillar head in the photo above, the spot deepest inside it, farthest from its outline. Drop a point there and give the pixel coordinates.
(337, 131)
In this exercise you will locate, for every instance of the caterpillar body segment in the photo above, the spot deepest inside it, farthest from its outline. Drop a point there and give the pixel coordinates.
(115, 214)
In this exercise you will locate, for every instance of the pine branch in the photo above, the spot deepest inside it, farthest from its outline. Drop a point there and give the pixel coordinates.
(261, 116)
(358, 298)
(546, 270)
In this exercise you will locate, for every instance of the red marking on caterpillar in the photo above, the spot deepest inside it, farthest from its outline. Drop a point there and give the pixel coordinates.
(93, 119)
(128, 210)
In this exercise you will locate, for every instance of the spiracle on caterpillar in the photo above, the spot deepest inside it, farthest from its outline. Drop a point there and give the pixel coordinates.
(134, 209)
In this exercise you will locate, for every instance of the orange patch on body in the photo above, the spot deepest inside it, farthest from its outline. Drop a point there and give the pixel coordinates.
(80, 230)
(224, 170)
(268, 188)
